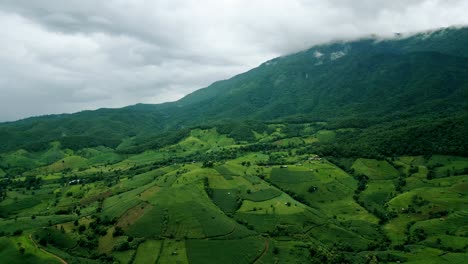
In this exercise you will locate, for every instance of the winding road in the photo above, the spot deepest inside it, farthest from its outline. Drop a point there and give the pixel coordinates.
(265, 250)
(45, 251)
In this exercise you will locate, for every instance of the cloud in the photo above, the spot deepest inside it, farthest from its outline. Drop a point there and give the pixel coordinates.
(64, 56)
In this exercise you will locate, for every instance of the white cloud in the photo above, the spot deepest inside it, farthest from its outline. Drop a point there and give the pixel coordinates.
(64, 56)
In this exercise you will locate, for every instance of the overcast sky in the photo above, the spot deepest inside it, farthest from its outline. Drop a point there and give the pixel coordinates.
(62, 56)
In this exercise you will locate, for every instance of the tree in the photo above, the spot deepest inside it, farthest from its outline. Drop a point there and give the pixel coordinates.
(430, 175)
(118, 231)
(81, 228)
(43, 242)
(207, 164)
(275, 250)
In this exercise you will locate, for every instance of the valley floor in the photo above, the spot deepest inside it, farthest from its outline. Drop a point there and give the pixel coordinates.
(210, 199)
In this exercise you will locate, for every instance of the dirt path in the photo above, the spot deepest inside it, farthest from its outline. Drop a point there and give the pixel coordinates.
(160, 252)
(45, 251)
(265, 250)
(223, 235)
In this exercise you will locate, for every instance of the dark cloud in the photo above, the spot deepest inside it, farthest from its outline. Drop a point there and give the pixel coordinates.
(63, 56)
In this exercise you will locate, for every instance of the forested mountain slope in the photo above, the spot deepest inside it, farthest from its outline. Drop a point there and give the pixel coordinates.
(363, 82)
(349, 152)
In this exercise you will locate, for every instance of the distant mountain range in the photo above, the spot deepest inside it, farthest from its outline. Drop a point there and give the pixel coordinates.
(401, 84)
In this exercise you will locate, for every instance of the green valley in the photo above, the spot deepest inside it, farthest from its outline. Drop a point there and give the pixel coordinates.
(277, 203)
(356, 156)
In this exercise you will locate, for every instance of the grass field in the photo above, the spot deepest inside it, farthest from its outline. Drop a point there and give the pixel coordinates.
(117, 205)
(148, 252)
(124, 257)
(447, 165)
(326, 136)
(282, 204)
(262, 195)
(226, 199)
(146, 223)
(224, 251)
(378, 193)
(10, 253)
(375, 169)
(173, 251)
(182, 204)
(70, 162)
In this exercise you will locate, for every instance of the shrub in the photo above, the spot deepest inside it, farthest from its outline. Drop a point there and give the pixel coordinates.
(275, 251)
(18, 232)
(118, 231)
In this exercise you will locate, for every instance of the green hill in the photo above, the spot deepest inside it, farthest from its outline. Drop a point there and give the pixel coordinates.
(349, 152)
(363, 82)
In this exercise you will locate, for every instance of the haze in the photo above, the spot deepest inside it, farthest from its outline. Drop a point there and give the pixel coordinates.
(65, 56)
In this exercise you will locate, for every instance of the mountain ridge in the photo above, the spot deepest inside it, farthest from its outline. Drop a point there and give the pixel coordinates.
(409, 37)
(423, 74)
(352, 153)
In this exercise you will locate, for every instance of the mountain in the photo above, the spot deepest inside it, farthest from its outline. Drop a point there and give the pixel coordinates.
(348, 152)
(347, 78)
(368, 80)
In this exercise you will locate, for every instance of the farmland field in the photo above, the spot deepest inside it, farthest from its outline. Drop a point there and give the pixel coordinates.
(282, 205)
(224, 251)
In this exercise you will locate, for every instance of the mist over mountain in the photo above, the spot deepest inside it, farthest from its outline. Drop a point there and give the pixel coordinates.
(346, 152)
(369, 80)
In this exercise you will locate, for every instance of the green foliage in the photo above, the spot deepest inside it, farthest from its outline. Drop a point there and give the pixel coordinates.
(403, 97)
(80, 142)
(224, 251)
(303, 159)
(54, 237)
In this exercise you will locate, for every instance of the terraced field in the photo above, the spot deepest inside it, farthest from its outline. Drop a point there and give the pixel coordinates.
(280, 205)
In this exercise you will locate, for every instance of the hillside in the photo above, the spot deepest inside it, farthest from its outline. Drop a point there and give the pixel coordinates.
(348, 152)
(208, 198)
(369, 81)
